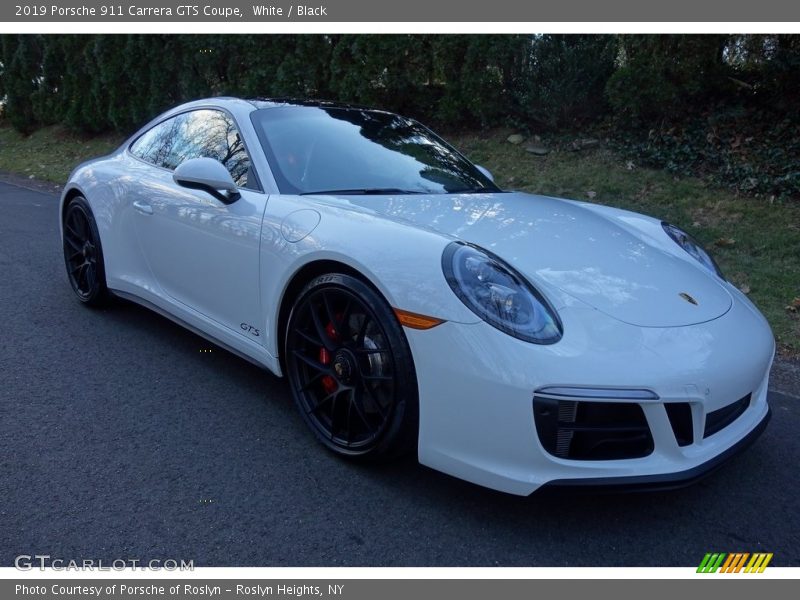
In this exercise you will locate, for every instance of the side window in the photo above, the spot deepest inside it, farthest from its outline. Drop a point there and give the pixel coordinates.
(155, 144)
(196, 134)
(211, 134)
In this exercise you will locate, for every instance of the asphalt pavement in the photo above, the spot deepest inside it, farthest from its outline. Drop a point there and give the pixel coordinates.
(124, 436)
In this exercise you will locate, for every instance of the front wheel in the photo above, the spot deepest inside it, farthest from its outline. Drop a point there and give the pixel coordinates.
(350, 369)
(83, 253)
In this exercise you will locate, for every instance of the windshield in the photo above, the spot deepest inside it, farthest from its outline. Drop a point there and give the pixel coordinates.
(328, 150)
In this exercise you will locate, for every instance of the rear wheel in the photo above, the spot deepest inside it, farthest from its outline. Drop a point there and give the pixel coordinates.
(83, 253)
(350, 369)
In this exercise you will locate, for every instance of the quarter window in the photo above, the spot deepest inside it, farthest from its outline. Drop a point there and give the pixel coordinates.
(155, 145)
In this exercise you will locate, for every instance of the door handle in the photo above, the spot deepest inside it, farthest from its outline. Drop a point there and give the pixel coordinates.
(143, 207)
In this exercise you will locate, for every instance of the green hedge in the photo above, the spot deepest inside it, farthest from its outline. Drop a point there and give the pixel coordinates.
(670, 99)
(115, 82)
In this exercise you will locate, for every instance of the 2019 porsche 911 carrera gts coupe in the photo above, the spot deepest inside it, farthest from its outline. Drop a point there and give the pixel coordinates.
(509, 339)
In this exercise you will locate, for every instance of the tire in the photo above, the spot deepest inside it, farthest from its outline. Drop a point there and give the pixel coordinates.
(351, 371)
(83, 253)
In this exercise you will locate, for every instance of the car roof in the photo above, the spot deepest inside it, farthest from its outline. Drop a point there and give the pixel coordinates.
(259, 103)
(319, 103)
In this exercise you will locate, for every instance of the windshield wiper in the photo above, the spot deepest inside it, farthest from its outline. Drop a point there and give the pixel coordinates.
(476, 190)
(362, 191)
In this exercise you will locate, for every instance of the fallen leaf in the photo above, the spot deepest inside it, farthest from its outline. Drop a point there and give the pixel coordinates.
(745, 288)
(591, 195)
(725, 242)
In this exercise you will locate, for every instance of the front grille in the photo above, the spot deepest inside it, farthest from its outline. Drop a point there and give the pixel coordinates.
(680, 417)
(719, 419)
(580, 430)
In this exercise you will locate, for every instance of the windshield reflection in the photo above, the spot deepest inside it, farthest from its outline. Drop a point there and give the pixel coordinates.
(331, 149)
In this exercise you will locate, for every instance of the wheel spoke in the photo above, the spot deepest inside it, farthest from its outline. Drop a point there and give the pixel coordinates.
(71, 230)
(310, 383)
(84, 226)
(76, 225)
(354, 400)
(324, 401)
(314, 364)
(321, 332)
(362, 332)
(74, 244)
(333, 414)
(344, 321)
(80, 277)
(89, 274)
(331, 315)
(377, 377)
(309, 338)
(348, 427)
(375, 401)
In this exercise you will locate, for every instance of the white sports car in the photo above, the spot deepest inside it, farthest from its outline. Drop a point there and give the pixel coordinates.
(511, 340)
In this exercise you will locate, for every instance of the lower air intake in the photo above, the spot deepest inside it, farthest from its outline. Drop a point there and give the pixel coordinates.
(583, 430)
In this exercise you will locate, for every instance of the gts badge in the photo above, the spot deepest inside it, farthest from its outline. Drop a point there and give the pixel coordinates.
(247, 328)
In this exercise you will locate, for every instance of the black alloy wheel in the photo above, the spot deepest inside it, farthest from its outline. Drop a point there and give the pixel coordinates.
(351, 370)
(83, 253)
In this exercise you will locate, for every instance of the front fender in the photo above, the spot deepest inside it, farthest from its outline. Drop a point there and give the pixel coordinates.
(401, 261)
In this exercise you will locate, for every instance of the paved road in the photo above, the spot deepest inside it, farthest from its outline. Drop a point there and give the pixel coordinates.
(119, 438)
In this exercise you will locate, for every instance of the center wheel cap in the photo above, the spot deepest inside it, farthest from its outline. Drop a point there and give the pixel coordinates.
(344, 366)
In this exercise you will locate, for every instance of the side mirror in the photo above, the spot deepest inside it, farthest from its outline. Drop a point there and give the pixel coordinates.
(486, 172)
(208, 175)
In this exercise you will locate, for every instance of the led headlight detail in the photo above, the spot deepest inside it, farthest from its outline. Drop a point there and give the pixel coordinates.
(499, 295)
(692, 246)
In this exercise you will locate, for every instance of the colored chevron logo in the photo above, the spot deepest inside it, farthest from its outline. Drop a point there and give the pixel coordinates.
(735, 562)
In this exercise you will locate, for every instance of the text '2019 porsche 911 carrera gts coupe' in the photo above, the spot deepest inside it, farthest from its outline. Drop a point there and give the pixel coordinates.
(512, 340)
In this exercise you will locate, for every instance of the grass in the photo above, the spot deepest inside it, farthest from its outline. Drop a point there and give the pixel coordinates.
(756, 241)
(50, 153)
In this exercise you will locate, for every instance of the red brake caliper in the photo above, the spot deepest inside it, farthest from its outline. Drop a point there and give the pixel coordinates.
(328, 382)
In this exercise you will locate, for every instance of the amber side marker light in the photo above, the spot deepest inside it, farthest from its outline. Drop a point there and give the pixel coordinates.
(416, 321)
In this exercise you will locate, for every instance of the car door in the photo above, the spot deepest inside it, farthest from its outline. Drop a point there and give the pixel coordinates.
(202, 252)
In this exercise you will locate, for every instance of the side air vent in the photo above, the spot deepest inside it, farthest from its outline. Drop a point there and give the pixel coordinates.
(719, 419)
(680, 417)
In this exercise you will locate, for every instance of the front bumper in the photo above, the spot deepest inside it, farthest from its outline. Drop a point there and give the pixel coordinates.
(477, 387)
(662, 481)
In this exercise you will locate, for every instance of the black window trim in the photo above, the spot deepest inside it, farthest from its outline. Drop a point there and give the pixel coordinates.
(259, 189)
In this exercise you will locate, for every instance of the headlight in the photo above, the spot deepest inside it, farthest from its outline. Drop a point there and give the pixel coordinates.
(692, 246)
(499, 295)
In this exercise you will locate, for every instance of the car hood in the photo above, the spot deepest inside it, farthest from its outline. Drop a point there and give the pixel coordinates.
(586, 255)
